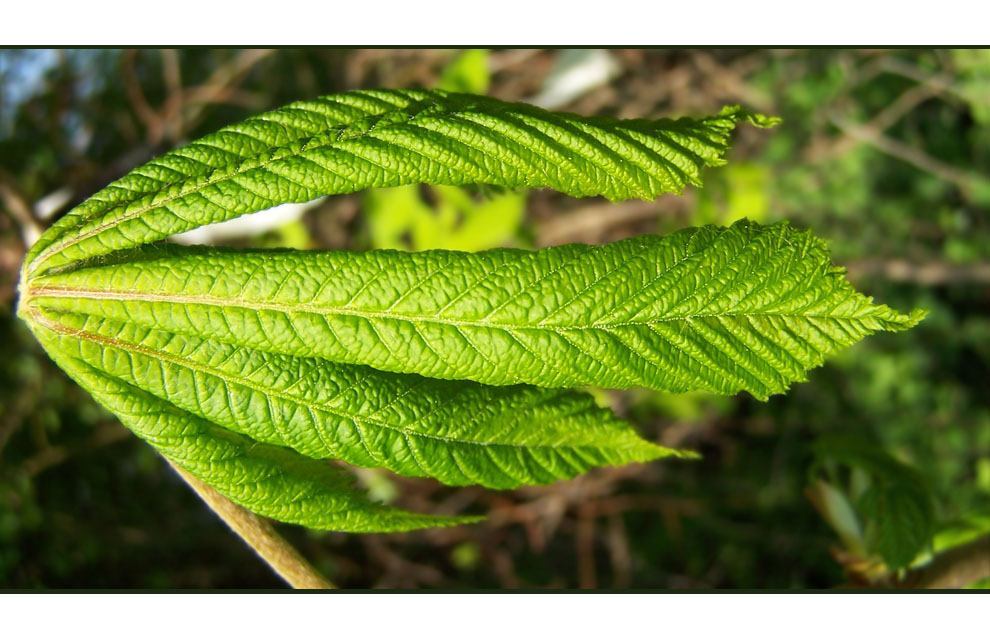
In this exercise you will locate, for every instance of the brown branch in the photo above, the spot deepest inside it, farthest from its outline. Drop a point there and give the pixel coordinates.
(16, 205)
(590, 222)
(172, 107)
(943, 82)
(929, 86)
(897, 149)
(585, 547)
(617, 541)
(52, 456)
(221, 84)
(153, 123)
(931, 273)
(261, 536)
(183, 108)
(954, 569)
(729, 81)
(897, 109)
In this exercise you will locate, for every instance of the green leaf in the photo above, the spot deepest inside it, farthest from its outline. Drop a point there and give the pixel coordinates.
(960, 531)
(458, 432)
(966, 528)
(250, 369)
(979, 584)
(900, 520)
(897, 506)
(351, 141)
(839, 513)
(748, 308)
(398, 218)
(269, 480)
(468, 72)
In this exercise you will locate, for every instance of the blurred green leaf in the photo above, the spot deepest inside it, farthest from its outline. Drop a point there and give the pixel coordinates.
(900, 520)
(974, 71)
(465, 556)
(896, 506)
(839, 513)
(738, 192)
(954, 534)
(467, 73)
(400, 218)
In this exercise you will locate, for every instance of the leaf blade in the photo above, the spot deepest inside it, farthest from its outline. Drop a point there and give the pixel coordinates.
(352, 141)
(457, 432)
(749, 307)
(272, 481)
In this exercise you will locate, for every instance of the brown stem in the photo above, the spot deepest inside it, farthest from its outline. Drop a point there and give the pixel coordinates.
(931, 273)
(19, 210)
(259, 534)
(953, 569)
(152, 121)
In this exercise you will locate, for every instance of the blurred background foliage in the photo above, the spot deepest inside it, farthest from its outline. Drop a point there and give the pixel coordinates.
(879, 463)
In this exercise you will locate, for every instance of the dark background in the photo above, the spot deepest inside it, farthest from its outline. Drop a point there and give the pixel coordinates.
(884, 153)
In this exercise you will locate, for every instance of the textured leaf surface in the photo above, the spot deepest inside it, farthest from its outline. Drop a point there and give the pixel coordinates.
(272, 481)
(347, 142)
(749, 308)
(251, 369)
(458, 432)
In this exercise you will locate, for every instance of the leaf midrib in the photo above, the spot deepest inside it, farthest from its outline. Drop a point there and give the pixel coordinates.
(302, 307)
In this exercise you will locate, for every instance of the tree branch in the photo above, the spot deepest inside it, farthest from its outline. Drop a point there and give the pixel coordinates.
(930, 273)
(953, 569)
(259, 534)
(965, 180)
(19, 210)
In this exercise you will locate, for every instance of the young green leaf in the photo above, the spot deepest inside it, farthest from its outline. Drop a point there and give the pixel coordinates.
(348, 142)
(900, 520)
(250, 368)
(897, 506)
(749, 307)
(269, 480)
(458, 432)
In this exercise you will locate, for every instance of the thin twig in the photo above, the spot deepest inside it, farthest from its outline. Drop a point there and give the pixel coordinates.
(931, 273)
(220, 85)
(944, 82)
(929, 86)
(19, 210)
(152, 121)
(172, 108)
(183, 107)
(585, 544)
(50, 456)
(259, 534)
(729, 81)
(966, 181)
(618, 548)
(900, 107)
(590, 222)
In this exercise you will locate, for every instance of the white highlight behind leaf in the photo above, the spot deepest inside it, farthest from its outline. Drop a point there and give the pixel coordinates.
(252, 224)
